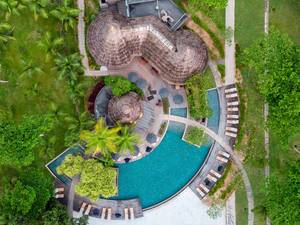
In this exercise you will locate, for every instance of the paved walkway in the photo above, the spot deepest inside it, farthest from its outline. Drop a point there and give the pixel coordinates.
(230, 210)
(230, 45)
(214, 69)
(236, 160)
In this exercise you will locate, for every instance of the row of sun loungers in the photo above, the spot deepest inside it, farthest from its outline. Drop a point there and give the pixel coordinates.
(223, 156)
(59, 192)
(232, 112)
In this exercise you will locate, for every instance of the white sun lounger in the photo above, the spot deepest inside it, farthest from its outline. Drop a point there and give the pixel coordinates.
(204, 188)
(201, 193)
(103, 212)
(222, 159)
(231, 95)
(230, 90)
(83, 205)
(88, 209)
(109, 213)
(232, 109)
(126, 216)
(59, 190)
(230, 116)
(216, 174)
(231, 134)
(233, 121)
(212, 178)
(232, 129)
(227, 155)
(232, 103)
(59, 195)
(131, 213)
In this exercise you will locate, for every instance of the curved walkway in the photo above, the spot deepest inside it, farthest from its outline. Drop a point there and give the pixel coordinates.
(236, 160)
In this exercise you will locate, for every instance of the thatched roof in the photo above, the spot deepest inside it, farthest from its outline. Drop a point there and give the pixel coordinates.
(125, 109)
(114, 40)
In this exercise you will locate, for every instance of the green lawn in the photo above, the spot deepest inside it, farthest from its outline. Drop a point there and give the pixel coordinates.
(285, 14)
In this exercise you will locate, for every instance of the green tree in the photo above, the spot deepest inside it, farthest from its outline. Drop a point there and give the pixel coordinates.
(101, 140)
(19, 141)
(195, 135)
(275, 59)
(121, 85)
(38, 8)
(6, 33)
(127, 140)
(71, 166)
(30, 68)
(50, 44)
(66, 14)
(283, 197)
(96, 181)
(11, 7)
(57, 215)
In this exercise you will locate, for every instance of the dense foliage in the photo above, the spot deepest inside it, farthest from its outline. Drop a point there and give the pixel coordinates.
(127, 139)
(275, 59)
(18, 141)
(195, 135)
(283, 197)
(71, 166)
(121, 85)
(218, 4)
(196, 89)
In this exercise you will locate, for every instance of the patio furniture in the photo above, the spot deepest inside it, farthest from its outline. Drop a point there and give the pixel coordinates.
(131, 213)
(126, 216)
(109, 214)
(153, 92)
(61, 189)
(164, 92)
(202, 194)
(221, 159)
(103, 213)
(216, 174)
(141, 83)
(59, 196)
(225, 154)
(151, 138)
(204, 188)
(127, 160)
(88, 209)
(178, 99)
(212, 178)
(148, 149)
(151, 97)
(133, 77)
(83, 205)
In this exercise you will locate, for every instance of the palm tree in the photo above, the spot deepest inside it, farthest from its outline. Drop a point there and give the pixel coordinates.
(68, 66)
(6, 32)
(30, 68)
(127, 140)
(11, 7)
(101, 140)
(66, 14)
(38, 8)
(50, 44)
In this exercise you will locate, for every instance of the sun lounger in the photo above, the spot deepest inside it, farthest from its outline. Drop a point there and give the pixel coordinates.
(212, 178)
(232, 129)
(233, 109)
(216, 174)
(231, 134)
(103, 213)
(109, 213)
(131, 213)
(234, 95)
(232, 103)
(83, 205)
(230, 90)
(230, 116)
(126, 216)
(204, 188)
(221, 159)
(201, 193)
(227, 155)
(88, 209)
(59, 196)
(59, 190)
(233, 121)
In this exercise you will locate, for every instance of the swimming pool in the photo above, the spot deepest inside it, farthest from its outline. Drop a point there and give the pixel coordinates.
(213, 102)
(179, 112)
(162, 173)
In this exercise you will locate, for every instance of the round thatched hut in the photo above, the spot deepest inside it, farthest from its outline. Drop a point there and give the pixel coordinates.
(125, 109)
(114, 40)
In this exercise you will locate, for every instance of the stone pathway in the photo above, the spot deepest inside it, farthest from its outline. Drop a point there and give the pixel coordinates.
(230, 45)
(235, 158)
(230, 210)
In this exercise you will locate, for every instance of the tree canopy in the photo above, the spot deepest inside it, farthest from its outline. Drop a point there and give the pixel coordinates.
(275, 59)
(71, 166)
(18, 141)
(121, 85)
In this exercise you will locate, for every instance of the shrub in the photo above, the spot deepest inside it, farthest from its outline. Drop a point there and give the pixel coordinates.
(120, 85)
(166, 105)
(195, 135)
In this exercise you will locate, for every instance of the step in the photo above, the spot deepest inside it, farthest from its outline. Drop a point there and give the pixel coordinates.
(233, 129)
(230, 90)
(232, 103)
(230, 134)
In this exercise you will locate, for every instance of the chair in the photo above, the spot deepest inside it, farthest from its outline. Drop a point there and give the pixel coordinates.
(126, 216)
(103, 212)
(131, 213)
(59, 196)
(88, 209)
(61, 189)
(109, 214)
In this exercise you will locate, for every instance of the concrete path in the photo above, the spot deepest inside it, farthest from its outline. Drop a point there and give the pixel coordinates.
(230, 45)
(235, 159)
(214, 69)
(71, 196)
(184, 209)
(230, 210)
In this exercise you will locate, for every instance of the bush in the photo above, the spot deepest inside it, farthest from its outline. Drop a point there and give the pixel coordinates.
(120, 85)
(162, 128)
(166, 105)
(221, 69)
(195, 135)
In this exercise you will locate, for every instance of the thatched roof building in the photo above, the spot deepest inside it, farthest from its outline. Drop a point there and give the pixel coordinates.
(114, 40)
(125, 109)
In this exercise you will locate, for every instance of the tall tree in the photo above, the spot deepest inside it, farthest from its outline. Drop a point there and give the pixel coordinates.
(38, 8)
(127, 140)
(50, 44)
(66, 14)
(101, 140)
(11, 7)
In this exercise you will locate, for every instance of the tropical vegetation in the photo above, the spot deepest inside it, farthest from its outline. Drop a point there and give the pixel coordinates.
(195, 135)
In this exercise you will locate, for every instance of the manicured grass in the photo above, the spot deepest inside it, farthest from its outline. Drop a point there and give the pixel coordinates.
(249, 17)
(285, 15)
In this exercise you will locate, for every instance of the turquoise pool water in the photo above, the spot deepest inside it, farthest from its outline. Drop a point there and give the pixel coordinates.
(213, 102)
(76, 149)
(179, 112)
(164, 172)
